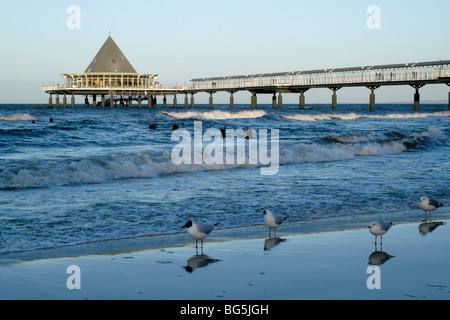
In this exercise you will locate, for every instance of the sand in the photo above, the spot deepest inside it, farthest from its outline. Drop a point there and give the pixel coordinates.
(246, 266)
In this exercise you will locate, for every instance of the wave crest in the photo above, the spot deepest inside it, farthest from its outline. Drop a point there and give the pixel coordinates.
(354, 116)
(18, 117)
(215, 115)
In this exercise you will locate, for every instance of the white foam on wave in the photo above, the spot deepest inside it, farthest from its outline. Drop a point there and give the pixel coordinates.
(354, 116)
(304, 153)
(216, 115)
(18, 117)
(150, 163)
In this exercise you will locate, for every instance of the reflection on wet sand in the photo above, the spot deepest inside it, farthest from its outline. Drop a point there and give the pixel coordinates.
(428, 227)
(199, 261)
(272, 242)
(378, 258)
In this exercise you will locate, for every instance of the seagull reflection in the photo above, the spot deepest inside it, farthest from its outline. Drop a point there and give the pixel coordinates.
(378, 258)
(198, 261)
(427, 227)
(272, 242)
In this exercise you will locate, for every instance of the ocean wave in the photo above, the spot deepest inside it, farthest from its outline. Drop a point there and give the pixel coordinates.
(18, 117)
(354, 116)
(150, 163)
(216, 115)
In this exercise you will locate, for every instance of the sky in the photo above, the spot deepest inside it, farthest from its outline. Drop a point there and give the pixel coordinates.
(182, 40)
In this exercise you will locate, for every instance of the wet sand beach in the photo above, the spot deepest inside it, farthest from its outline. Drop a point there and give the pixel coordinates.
(324, 265)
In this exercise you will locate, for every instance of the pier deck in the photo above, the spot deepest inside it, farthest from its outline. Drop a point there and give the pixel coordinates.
(415, 75)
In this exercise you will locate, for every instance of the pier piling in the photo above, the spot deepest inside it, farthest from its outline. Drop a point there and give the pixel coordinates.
(274, 101)
(192, 101)
(231, 99)
(302, 100)
(280, 101)
(73, 101)
(211, 100)
(254, 101)
(417, 96)
(175, 101)
(334, 99)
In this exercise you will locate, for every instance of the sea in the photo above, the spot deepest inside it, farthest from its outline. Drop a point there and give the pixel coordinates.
(93, 175)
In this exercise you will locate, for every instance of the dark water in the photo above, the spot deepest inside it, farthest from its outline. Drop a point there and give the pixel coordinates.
(95, 175)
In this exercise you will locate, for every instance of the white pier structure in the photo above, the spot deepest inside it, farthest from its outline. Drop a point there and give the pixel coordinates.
(110, 76)
(415, 75)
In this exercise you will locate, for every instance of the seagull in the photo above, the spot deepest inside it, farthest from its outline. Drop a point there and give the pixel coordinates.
(199, 231)
(379, 228)
(273, 221)
(427, 204)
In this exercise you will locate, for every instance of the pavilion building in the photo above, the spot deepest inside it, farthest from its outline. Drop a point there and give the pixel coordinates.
(110, 76)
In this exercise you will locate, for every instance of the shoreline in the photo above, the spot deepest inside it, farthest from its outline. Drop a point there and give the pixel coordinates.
(316, 265)
(181, 239)
(308, 260)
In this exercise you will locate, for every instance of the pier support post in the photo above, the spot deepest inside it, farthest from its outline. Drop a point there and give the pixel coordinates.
(417, 100)
(372, 96)
(103, 101)
(302, 99)
(165, 102)
(139, 102)
(231, 99)
(111, 101)
(175, 101)
(334, 99)
(86, 102)
(57, 101)
(254, 101)
(192, 100)
(65, 101)
(211, 100)
(448, 97)
(417, 96)
(130, 102)
(73, 101)
(94, 101)
(186, 101)
(50, 101)
(274, 101)
(280, 101)
(122, 104)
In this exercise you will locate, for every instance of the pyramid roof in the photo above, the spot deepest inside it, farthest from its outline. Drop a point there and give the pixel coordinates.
(110, 59)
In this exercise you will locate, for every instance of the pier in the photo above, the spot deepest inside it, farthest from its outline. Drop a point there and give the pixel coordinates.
(113, 80)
